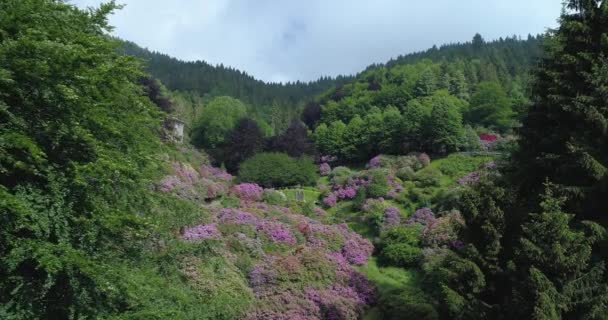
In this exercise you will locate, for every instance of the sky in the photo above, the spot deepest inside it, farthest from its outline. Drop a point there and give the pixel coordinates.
(289, 40)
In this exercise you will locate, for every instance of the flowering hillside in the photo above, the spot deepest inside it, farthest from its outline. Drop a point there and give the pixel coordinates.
(294, 267)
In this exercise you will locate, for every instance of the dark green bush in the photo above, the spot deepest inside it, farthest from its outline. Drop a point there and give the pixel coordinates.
(278, 170)
(400, 246)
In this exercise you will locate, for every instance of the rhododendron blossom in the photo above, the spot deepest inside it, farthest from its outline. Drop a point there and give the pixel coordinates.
(470, 179)
(357, 249)
(248, 191)
(392, 217)
(324, 169)
(330, 200)
(201, 232)
(422, 216)
(236, 216)
(375, 162)
(424, 159)
(346, 193)
(277, 232)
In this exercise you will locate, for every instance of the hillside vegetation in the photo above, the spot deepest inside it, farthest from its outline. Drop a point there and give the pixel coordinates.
(463, 182)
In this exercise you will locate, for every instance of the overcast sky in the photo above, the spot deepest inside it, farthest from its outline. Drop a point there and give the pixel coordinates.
(285, 40)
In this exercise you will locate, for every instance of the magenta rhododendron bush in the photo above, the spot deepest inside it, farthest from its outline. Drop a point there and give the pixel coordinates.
(205, 183)
(299, 268)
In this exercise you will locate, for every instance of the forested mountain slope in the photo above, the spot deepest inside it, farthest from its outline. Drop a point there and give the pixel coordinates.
(206, 79)
(430, 101)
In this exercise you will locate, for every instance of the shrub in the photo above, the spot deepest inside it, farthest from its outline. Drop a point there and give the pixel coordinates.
(401, 254)
(392, 217)
(399, 246)
(429, 177)
(278, 170)
(340, 175)
(424, 159)
(406, 174)
(379, 186)
(324, 169)
(248, 191)
(274, 197)
(359, 200)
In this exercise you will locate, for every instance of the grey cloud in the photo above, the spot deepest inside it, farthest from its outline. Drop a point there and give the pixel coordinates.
(287, 40)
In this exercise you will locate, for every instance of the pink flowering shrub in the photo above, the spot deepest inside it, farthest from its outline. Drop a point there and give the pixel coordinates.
(236, 216)
(320, 212)
(331, 200)
(187, 183)
(375, 162)
(470, 179)
(201, 232)
(422, 216)
(392, 217)
(342, 296)
(169, 183)
(276, 232)
(356, 249)
(443, 231)
(488, 141)
(324, 169)
(424, 159)
(215, 173)
(248, 191)
(346, 193)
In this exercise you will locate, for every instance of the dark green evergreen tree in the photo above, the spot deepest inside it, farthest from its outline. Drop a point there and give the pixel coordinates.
(565, 134)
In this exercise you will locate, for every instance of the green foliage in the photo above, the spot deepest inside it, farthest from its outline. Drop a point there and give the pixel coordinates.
(75, 178)
(417, 102)
(443, 127)
(379, 185)
(429, 177)
(563, 134)
(457, 165)
(491, 107)
(400, 246)
(215, 122)
(275, 103)
(278, 170)
(274, 197)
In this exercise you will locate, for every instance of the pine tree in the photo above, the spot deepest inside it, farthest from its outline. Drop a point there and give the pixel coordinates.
(565, 135)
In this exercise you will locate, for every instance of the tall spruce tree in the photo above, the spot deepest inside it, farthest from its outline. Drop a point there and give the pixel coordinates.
(565, 134)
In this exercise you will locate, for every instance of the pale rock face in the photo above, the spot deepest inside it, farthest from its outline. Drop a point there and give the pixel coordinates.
(177, 130)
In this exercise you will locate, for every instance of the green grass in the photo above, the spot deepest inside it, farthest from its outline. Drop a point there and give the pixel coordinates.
(456, 166)
(389, 278)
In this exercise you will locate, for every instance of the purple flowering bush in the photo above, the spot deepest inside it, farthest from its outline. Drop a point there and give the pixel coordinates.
(248, 191)
(276, 232)
(331, 200)
(324, 169)
(424, 159)
(201, 232)
(423, 216)
(392, 217)
(470, 179)
(187, 183)
(443, 231)
(375, 162)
